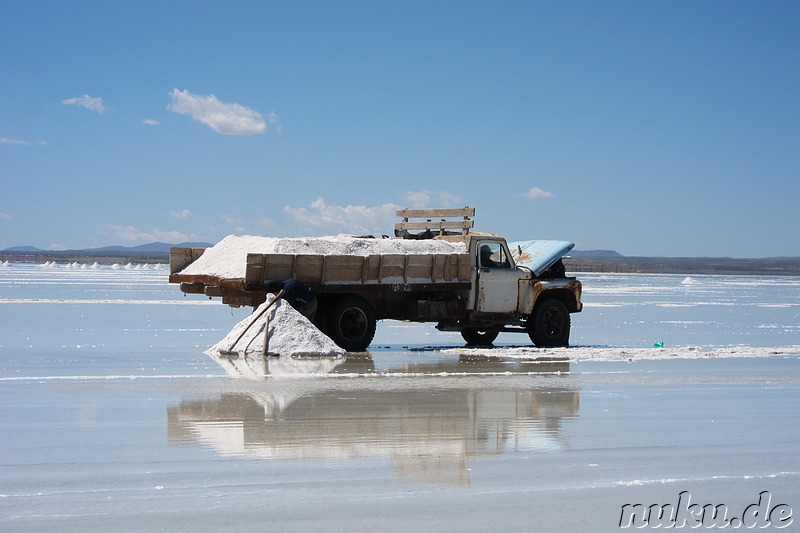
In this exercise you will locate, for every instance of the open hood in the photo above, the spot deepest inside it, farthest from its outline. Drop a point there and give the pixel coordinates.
(539, 255)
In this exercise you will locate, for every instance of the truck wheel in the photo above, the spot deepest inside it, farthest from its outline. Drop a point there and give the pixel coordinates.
(477, 337)
(549, 324)
(350, 322)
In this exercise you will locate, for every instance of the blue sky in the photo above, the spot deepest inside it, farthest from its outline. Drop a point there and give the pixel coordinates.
(648, 127)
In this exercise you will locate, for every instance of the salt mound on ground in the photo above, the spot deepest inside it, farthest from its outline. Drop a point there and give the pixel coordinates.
(688, 280)
(228, 258)
(290, 333)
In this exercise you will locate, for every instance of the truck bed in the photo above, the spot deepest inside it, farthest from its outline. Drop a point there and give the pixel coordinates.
(325, 273)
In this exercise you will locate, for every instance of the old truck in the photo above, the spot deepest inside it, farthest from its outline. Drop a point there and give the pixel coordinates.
(480, 287)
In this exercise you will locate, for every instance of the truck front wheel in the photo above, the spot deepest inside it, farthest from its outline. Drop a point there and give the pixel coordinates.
(549, 324)
(350, 322)
(477, 337)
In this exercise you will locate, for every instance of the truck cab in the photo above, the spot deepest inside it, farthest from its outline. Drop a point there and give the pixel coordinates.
(496, 280)
(521, 287)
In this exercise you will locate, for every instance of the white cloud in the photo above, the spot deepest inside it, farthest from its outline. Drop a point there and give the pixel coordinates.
(5, 216)
(6, 140)
(235, 221)
(222, 117)
(89, 102)
(429, 198)
(322, 218)
(150, 122)
(535, 192)
(265, 222)
(181, 214)
(130, 233)
(232, 220)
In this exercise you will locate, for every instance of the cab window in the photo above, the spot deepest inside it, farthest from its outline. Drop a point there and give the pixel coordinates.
(492, 255)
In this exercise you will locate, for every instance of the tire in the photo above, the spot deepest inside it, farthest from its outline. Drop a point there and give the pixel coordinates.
(350, 322)
(478, 337)
(549, 324)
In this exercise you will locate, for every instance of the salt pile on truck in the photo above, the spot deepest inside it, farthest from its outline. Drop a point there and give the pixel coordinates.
(464, 281)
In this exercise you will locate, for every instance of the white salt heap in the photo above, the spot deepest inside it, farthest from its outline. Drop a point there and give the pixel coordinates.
(228, 258)
(290, 333)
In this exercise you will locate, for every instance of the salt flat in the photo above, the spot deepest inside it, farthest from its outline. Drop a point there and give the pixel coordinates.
(113, 418)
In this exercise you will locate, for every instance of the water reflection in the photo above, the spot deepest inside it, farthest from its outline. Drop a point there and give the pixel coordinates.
(256, 366)
(428, 426)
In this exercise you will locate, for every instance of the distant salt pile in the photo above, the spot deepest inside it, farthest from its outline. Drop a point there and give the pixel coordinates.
(290, 334)
(688, 280)
(228, 258)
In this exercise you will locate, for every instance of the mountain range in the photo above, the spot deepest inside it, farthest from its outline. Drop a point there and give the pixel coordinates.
(576, 261)
(153, 247)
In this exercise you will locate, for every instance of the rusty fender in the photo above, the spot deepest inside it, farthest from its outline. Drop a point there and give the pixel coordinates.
(567, 290)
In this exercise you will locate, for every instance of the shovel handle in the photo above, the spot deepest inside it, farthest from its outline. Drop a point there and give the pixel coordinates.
(277, 297)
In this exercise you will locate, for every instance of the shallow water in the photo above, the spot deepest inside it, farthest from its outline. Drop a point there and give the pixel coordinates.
(111, 417)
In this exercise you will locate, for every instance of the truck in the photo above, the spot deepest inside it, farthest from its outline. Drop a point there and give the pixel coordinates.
(480, 286)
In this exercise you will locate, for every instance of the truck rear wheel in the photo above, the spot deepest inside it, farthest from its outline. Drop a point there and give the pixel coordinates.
(549, 324)
(477, 337)
(350, 322)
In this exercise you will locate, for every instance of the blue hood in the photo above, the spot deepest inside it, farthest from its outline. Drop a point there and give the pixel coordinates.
(539, 255)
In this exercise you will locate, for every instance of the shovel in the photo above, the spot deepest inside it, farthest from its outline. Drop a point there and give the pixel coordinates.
(230, 350)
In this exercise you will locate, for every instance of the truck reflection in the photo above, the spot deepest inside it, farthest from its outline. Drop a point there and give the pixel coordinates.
(429, 431)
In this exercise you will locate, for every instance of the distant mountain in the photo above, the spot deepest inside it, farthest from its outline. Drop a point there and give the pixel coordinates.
(595, 253)
(23, 249)
(153, 247)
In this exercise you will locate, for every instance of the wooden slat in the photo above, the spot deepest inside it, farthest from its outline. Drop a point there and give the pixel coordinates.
(254, 269)
(308, 268)
(419, 267)
(278, 267)
(436, 213)
(343, 268)
(392, 268)
(180, 258)
(464, 267)
(372, 268)
(435, 224)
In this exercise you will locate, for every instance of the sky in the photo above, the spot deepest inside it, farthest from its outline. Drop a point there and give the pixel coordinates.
(653, 128)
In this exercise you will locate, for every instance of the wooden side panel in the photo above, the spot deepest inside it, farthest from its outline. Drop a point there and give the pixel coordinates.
(393, 268)
(464, 268)
(180, 258)
(373, 269)
(309, 268)
(254, 271)
(420, 267)
(438, 267)
(343, 269)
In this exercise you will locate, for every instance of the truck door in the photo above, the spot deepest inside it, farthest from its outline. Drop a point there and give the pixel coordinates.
(497, 279)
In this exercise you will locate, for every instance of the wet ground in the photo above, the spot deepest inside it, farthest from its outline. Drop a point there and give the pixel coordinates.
(111, 417)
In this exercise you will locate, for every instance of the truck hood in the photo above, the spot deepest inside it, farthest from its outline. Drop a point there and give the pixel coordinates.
(538, 255)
